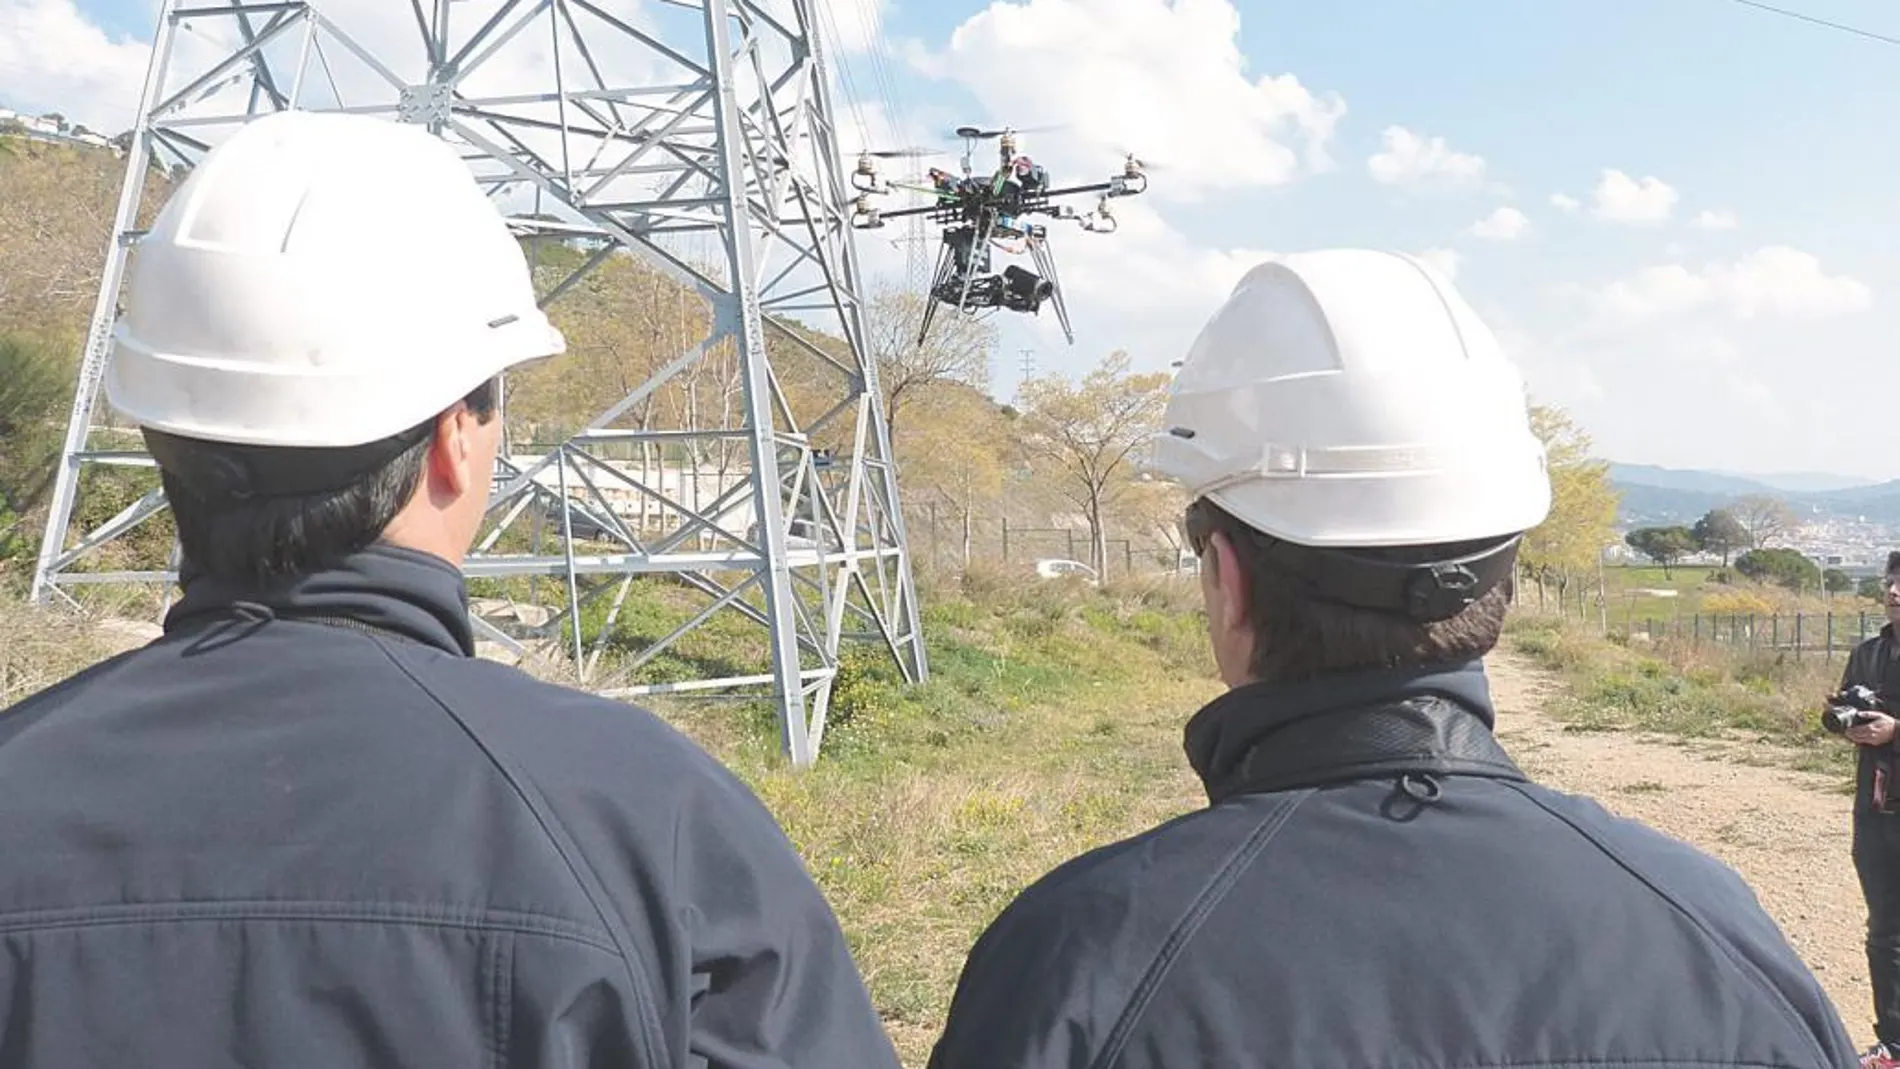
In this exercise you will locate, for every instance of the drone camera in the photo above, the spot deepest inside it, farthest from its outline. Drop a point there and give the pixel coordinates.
(1025, 290)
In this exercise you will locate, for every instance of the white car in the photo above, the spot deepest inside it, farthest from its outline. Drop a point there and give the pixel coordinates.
(1057, 568)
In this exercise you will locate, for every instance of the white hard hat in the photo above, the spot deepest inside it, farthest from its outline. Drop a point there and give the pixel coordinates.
(1351, 398)
(322, 280)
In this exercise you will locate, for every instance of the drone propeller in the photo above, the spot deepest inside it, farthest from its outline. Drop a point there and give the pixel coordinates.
(1139, 163)
(901, 153)
(983, 135)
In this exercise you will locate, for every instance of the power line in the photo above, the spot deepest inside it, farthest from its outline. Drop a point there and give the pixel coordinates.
(1844, 28)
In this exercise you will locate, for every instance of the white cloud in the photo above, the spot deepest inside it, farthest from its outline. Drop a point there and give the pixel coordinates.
(1622, 199)
(1716, 219)
(53, 59)
(1705, 349)
(1410, 159)
(1445, 261)
(1162, 78)
(1771, 281)
(1564, 202)
(1505, 224)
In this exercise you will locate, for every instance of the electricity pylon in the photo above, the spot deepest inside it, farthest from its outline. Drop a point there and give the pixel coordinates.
(694, 137)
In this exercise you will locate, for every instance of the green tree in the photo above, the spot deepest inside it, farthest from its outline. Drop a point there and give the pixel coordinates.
(1664, 545)
(1583, 504)
(1837, 581)
(1786, 567)
(1874, 588)
(1085, 433)
(1718, 531)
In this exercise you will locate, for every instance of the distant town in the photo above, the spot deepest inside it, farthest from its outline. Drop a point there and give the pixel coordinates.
(1856, 546)
(1851, 529)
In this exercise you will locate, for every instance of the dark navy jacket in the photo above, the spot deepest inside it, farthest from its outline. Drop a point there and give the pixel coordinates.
(306, 828)
(1375, 883)
(1875, 663)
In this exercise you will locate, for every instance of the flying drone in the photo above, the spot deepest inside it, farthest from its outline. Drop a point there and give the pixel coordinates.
(981, 212)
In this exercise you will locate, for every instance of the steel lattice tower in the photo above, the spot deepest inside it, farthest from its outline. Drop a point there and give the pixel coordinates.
(694, 137)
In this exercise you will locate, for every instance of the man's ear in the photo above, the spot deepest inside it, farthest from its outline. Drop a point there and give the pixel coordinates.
(451, 452)
(1231, 579)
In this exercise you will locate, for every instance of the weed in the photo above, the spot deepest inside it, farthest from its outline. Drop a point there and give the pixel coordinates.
(1688, 690)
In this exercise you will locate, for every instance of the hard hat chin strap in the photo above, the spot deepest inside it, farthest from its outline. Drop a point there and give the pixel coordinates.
(1427, 591)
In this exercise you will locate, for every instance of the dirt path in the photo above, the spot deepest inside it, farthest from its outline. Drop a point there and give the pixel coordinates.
(1786, 832)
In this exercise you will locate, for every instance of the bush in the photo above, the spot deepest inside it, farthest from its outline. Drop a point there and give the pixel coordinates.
(1736, 603)
(1786, 567)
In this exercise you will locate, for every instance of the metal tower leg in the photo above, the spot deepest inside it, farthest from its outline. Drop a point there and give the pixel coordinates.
(740, 311)
(694, 140)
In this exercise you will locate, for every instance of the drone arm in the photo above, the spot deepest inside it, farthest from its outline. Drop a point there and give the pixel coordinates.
(902, 212)
(1096, 187)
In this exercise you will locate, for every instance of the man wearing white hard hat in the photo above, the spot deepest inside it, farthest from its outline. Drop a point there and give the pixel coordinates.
(307, 827)
(1373, 881)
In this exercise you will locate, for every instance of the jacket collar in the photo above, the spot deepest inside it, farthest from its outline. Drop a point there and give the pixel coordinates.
(405, 592)
(1277, 736)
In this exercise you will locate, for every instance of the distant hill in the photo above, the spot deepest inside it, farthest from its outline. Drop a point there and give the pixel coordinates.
(1657, 495)
(1704, 482)
(1808, 482)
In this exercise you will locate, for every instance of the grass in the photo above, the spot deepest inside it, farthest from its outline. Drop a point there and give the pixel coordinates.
(1051, 724)
(1766, 699)
(40, 646)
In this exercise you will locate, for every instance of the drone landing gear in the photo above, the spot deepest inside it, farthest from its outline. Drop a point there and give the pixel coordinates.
(960, 284)
(1046, 263)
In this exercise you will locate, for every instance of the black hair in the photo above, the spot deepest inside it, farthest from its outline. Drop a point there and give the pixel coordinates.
(236, 521)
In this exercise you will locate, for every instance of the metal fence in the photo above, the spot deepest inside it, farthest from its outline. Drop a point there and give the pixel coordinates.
(1802, 634)
(937, 542)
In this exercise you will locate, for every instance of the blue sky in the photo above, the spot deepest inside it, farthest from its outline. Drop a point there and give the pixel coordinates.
(1749, 345)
